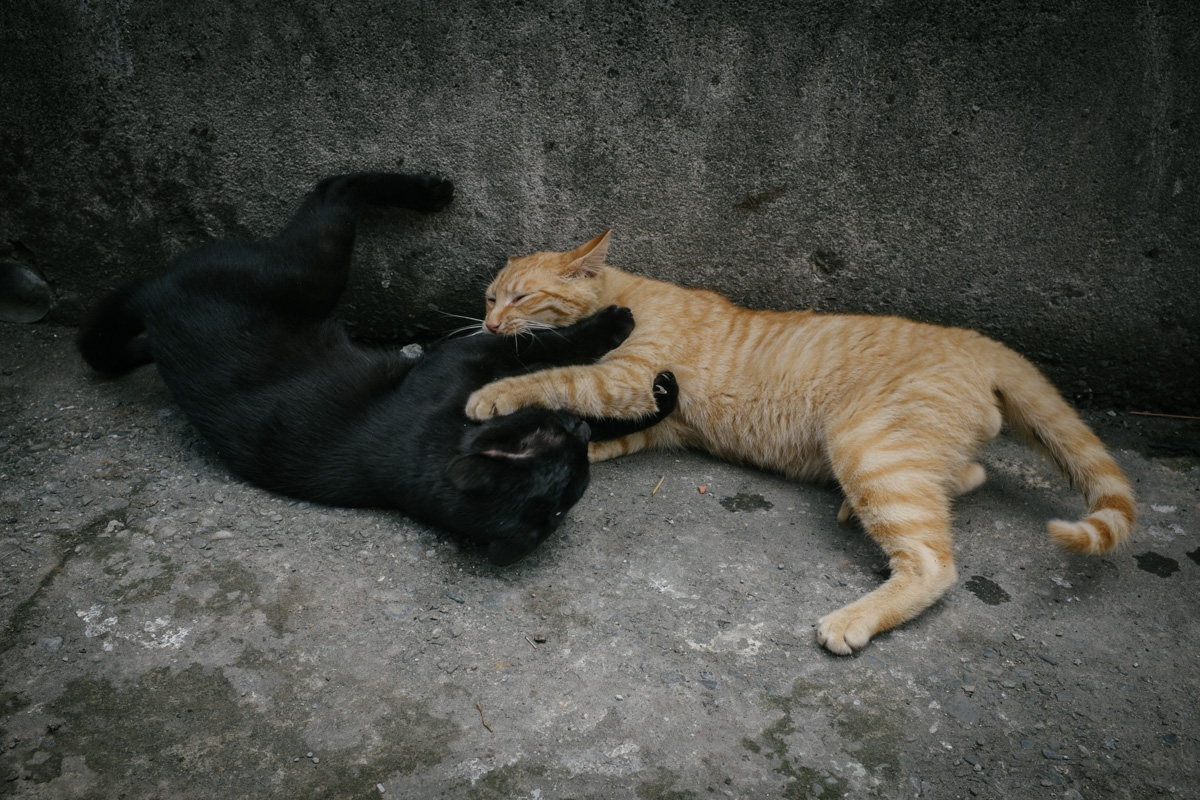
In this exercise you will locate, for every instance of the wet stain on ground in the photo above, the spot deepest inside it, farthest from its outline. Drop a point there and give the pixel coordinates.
(191, 726)
(1195, 555)
(1158, 565)
(987, 591)
(743, 501)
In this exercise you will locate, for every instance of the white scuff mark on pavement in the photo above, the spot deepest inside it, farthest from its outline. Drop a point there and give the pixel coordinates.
(161, 636)
(624, 759)
(669, 589)
(741, 639)
(157, 632)
(475, 768)
(92, 624)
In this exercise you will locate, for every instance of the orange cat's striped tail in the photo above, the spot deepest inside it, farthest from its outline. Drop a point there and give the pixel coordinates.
(1032, 406)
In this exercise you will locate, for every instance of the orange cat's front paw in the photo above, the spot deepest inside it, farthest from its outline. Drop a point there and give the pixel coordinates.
(845, 630)
(484, 404)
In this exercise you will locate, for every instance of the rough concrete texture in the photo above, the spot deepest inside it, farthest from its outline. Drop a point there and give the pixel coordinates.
(171, 632)
(1026, 169)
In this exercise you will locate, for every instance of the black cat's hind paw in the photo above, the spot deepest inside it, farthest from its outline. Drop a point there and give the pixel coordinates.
(430, 192)
(666, 393)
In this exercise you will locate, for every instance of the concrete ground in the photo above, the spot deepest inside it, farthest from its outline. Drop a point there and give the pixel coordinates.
(171, 632)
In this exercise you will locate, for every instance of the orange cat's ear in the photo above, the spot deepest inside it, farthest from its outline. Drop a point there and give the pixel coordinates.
(587, 261)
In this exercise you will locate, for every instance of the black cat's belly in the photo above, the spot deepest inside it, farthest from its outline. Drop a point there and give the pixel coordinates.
(243, 337)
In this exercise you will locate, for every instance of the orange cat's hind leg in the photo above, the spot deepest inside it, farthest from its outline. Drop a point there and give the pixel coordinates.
(969, 478)
(907, 513)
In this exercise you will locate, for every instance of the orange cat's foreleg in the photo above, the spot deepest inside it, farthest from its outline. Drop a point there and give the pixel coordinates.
(907, 514)
(622, 388)
(665, 434)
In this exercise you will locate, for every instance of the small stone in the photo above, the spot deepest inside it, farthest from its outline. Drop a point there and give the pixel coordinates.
(198, 542)
(1051, 754)
(52, 644)
(221, 535)
(1048, 659)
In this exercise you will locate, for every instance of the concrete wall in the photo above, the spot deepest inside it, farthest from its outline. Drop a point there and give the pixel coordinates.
(1027, 169)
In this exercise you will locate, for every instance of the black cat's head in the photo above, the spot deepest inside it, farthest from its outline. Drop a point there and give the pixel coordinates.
(526, 470)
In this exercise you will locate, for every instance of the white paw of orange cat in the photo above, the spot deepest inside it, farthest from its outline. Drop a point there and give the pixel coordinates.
(490, 401)
(845, 630)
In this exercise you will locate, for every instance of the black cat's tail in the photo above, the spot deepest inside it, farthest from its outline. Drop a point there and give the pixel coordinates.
(109, 340)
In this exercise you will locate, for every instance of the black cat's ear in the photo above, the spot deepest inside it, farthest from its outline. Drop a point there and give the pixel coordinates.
(483, 470)
(587, 261)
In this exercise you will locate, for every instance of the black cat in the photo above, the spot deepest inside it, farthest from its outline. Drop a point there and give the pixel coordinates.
(243, 337)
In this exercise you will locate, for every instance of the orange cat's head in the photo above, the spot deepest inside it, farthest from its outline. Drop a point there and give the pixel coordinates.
(547, 290)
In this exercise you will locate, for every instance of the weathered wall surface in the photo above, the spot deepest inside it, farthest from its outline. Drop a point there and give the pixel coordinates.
(1030, 170)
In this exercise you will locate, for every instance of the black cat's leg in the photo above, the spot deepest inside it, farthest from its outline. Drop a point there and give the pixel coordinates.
(313, 252)
(666, 397)
(581, 343)
(310, 259)
(418, 191)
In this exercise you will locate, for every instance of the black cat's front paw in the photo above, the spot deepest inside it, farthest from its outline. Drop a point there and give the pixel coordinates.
(431, 192)
(666, 393)
(616, 323)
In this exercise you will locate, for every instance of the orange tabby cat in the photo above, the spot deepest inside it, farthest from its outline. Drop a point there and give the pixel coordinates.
(892, 409)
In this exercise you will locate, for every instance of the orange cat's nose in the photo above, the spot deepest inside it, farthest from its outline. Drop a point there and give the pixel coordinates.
(492, 326)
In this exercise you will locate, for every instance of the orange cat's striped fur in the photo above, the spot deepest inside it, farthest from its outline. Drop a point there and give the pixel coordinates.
(892, 409)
